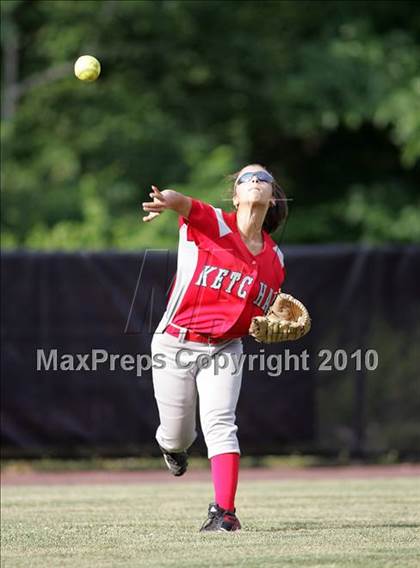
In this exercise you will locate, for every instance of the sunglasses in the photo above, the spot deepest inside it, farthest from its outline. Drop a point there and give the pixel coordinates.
(261, 176)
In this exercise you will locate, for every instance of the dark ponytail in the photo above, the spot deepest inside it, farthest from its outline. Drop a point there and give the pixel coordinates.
(276, 213)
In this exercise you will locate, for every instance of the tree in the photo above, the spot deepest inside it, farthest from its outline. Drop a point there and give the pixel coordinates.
(325, 94)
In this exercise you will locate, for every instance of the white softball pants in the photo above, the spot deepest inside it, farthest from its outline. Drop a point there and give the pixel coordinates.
(176, 389)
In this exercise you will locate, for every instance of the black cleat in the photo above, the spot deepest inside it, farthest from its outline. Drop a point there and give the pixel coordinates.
(177, 462)
(220, 520)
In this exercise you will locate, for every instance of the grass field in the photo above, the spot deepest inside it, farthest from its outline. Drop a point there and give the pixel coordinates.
(366, 523)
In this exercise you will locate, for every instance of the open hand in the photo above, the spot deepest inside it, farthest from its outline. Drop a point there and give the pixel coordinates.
(155, 207)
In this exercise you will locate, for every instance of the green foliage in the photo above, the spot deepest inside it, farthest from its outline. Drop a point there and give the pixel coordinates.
(327, 95)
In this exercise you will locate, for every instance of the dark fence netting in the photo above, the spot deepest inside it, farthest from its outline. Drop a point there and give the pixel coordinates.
(352, 384)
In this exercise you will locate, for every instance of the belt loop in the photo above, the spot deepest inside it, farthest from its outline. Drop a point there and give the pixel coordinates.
(182, 334)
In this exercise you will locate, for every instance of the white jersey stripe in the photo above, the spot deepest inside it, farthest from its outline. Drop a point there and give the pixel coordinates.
(279, 254)
(186, 265)
(223, 228)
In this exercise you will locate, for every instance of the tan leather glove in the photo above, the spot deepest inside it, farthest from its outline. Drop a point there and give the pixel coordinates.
(286, 320)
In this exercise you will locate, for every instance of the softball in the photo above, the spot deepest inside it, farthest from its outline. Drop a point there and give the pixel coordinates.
(87, 68)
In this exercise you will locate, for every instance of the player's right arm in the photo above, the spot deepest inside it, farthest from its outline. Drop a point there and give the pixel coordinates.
(201, 218)
(166, 199)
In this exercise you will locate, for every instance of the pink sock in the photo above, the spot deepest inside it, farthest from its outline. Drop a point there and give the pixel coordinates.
(224, 471)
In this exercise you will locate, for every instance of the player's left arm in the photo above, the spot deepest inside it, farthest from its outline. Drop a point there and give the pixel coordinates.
(166, 199)
(279, 267)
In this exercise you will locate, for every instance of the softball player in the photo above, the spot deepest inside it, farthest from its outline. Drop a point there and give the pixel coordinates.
(229, 270)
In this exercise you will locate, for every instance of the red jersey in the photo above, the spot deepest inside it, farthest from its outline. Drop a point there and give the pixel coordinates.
(220, 285)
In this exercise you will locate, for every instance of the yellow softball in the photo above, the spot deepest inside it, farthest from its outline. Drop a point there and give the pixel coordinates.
(87, 68)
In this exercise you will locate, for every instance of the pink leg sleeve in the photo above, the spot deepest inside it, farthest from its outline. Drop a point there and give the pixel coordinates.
(224, 471)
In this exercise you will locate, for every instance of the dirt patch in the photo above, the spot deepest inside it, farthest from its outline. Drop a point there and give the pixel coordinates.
(251, 474)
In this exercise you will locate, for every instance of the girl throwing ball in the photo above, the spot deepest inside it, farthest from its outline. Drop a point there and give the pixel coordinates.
(229, 270)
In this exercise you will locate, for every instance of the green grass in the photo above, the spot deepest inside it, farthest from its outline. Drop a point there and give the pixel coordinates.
(359, 523)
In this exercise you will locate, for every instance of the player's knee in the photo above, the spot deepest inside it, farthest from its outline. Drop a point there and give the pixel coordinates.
(220, 428)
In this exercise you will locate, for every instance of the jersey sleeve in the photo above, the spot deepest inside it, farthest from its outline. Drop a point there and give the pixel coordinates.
(205, 219)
